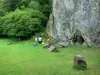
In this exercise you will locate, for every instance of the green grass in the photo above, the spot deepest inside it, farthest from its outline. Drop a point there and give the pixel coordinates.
(21, 58)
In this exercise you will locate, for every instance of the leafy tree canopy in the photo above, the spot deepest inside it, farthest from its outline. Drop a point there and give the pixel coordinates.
(23, 17)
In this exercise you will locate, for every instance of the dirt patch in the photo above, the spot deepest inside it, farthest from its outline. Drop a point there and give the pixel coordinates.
(83, 51)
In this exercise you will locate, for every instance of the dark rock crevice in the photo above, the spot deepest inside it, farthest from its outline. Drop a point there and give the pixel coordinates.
(77, 38)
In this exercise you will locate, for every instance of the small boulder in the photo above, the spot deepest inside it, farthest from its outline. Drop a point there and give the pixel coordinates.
(79, 61)
(62, 44)
(52, 49)
(84, 44)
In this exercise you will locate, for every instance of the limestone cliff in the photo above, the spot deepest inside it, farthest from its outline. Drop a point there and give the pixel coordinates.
(76, 20)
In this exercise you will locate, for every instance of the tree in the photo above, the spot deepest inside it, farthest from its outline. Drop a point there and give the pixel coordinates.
(10, 5)
(1, 26)
(22, 23)
(23, 17)
(1, 8)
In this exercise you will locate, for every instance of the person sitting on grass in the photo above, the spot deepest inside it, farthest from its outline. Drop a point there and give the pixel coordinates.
(43, 42)
(36, 41)
(9, 43)
(47, 44)
(28, 42)
(48, 41)
(40, 40)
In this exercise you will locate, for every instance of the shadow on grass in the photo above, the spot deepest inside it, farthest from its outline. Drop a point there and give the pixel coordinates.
(80, 68)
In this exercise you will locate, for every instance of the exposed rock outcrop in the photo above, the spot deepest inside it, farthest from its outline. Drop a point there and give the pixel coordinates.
(79, 61)
(50, 24)
(73, 16)
(52, 49)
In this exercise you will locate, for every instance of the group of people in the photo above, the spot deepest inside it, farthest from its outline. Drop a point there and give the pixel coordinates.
(38, 40)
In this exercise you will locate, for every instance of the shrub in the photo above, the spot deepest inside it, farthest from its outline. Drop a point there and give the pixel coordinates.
(22, 23)
(1, 26)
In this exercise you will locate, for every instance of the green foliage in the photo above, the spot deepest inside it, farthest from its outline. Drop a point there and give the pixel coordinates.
(42, 2)
(46, 7)
(1, 26)
(46, 10)
(23, 17)
(10, 5)
(22, 23)
(34, 5)
(1, 9)
(23, 3)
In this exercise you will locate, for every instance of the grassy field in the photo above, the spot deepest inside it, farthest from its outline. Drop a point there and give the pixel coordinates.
(23, 58)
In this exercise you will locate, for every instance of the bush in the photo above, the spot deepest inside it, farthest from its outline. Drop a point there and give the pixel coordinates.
(1, 26)
(23, 17)
(22, 23)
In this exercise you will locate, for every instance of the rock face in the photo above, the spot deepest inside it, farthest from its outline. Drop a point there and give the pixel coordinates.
(76, 20)
(52, 49)
(50, 26)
